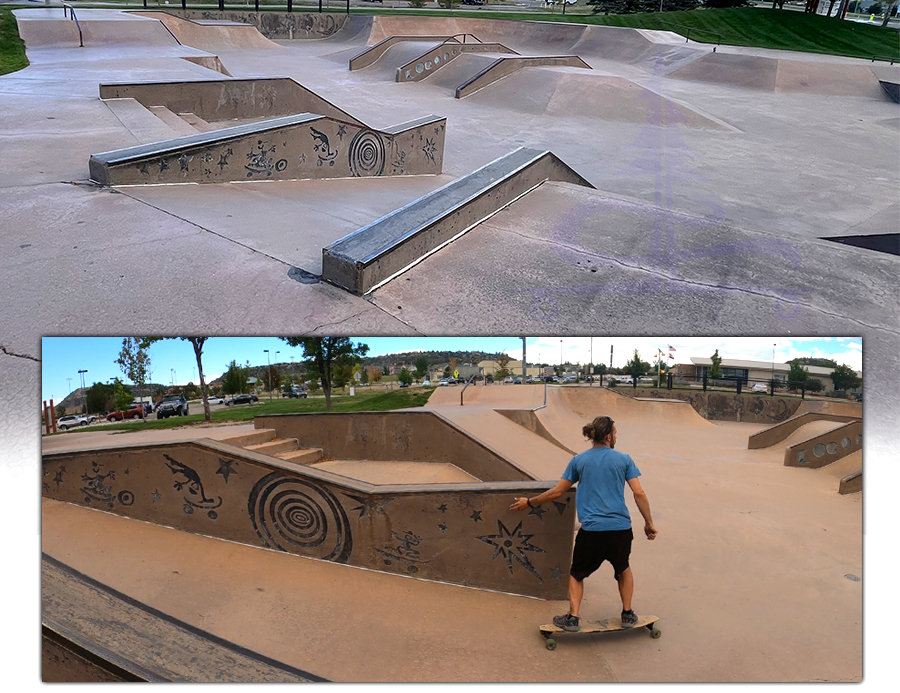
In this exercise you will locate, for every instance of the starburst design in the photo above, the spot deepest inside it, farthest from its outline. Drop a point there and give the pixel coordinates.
(476, 516)
(512, 545)
(442, 507)
(342, 130)
(539, 511)
(367, 505)
(430, 148)
(225, 468)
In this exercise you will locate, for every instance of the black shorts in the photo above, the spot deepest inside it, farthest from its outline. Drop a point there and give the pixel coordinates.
(592, 548)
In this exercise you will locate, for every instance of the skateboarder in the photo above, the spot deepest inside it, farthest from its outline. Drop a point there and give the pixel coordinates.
(601, 474)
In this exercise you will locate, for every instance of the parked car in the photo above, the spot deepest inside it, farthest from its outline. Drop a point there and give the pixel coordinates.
(759, 387)
(172, 405)
(242, 399)
(404, 384)
(73, 420)
(426, 383)
(133, 413)
(443, 382)
(216, 400)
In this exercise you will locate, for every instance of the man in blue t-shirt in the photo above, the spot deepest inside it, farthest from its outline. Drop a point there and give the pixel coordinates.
(605, 534)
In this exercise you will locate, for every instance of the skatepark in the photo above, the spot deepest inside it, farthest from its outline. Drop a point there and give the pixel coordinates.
(751, 551)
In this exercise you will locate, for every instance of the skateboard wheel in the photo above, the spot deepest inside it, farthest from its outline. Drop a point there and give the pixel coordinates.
(551, 644)
(655, 633)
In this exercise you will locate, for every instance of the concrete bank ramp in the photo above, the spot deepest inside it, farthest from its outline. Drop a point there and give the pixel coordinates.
(835, 406)
(827, 447)
(48, 27)
(780, 432)
(854, 78)
(504, 66)
(384, 249)
(845, 469)
(94, 633)
(566, 92)
(495, 395)
(212, 35)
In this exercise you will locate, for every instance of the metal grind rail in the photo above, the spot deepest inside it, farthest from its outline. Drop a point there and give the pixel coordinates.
(68, 8)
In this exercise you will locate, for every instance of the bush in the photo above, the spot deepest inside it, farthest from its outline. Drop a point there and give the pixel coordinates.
(417, 3)
(814, 385)
(612, 383)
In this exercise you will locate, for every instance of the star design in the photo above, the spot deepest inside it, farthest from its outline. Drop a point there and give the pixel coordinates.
(539, 511)
(561, 507)
(47, 487)
(156, 495)
(476, 516)
(512, 545)
(367, 505)
(556, 573)
(144, 168)
(303, 158)
(442, 527)
(342, 130)
(225, 468)
(127, 472)
(429, 149)
(163, 165)
(442, 507)
(184, 160)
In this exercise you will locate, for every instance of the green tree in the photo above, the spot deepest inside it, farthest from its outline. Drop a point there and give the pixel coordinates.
(405, 376)
(715, 370)
(134, 361)
(814, 385)
(99, 398)
(636, 367)
(60, 410)
(271, 375)
(876, 9)
(191, 391)
(324, 355)
(197, 344)
(797, 376)
(421, 367)
(845, 378)
(234, 382)
(122, 396)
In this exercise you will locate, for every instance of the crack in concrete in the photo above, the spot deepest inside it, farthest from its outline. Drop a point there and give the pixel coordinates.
(21, 356)
(663, 275)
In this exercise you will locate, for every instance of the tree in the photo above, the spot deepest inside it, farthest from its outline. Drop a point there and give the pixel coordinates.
(636, 367)
(599, 368)
(845, 378)
(502, 372)
(814, 385)
(715, 370)
(60, 410)
(453, 362)
(123, 396)
(875, 8)
(99, 398)
(405, 376)
(797, 377)
(134, 361)
(234, 382)
(271, 375)
(326, 354)
(197, 343)
(374, 373)
(421, 367)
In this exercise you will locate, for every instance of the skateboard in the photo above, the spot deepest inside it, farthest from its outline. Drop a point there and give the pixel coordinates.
(607, 625)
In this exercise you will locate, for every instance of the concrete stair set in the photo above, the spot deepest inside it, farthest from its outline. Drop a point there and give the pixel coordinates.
(266, 442)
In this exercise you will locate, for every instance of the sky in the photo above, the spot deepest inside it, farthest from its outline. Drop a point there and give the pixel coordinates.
(172, 360)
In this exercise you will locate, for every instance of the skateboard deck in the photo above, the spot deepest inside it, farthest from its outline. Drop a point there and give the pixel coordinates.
(607, 625)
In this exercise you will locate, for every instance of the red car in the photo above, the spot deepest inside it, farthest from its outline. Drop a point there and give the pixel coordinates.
(133, 413)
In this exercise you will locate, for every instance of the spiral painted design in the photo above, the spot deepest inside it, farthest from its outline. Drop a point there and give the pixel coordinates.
(298, 516)
(367, 154)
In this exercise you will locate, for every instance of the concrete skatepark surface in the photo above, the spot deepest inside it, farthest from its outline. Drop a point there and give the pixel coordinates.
(749, 551)
(777, 174)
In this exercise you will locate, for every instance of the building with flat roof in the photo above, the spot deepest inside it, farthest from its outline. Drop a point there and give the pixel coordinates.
(752, 371)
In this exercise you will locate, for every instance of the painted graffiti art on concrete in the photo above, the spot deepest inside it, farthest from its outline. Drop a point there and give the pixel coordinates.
(512, 545)
(429, 149)
(298, 516)
(185, 477)
(323, 148)
(225, 468)
(260, 162)
(367, 154)
(403, 551)
(367, 505)
(95, 487)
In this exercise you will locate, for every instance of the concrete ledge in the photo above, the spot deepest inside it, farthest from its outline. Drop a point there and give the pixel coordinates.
(227, 99)
(892, 89)
(506, 66)
(432, 60)
(780, 431)
(298, 147)
(852, 483)
(827, 448)
(371, 54)
(380, 251)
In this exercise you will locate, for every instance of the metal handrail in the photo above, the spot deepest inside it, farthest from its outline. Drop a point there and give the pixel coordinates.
(687, 36)
(464, 38)
(77, 24)
(886, 58)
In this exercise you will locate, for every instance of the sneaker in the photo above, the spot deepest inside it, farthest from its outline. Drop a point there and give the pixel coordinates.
(629, 619)
(566, 622)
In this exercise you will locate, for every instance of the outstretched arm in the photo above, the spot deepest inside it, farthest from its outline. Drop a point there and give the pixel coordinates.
(643, 505)
(552, 494)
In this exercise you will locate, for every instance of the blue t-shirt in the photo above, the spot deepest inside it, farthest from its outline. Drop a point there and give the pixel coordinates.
(601, 474)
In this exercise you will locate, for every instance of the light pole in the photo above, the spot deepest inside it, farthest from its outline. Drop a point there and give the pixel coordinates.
(83, 393)
(560, 359)
(591, 381)
(269, 373)
(773, 367)
(172, 376)
(70, 386)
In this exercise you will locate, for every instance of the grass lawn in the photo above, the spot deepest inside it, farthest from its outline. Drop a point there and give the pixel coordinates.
(376, 399)
(738, 26)
(12, 50)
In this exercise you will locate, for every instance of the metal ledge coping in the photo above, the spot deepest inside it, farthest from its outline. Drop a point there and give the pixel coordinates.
(369, 242)
(141, 151)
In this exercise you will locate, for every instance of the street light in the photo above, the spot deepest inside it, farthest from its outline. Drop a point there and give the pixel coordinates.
(269, 372)
(773, 367)
(83, 393)
(560, 359)
(70, 386)
(172, 377)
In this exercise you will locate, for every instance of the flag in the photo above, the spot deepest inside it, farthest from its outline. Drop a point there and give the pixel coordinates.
(671, 349)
